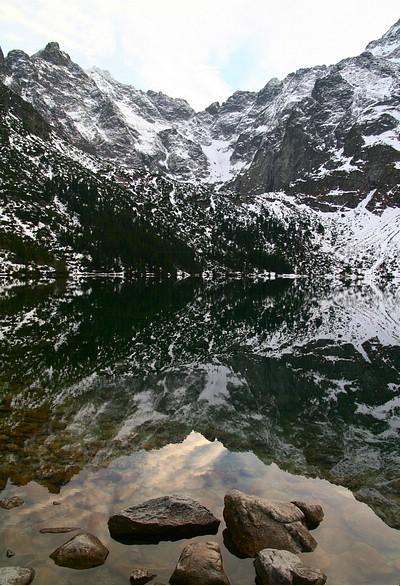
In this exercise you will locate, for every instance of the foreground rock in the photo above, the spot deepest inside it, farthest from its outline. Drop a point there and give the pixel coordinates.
(313, 513)
(16, 575)
(141, 576)
(200, 563)
(255, 524)
(165, 518)
(81, 552)
(11, 502)
(274, 566)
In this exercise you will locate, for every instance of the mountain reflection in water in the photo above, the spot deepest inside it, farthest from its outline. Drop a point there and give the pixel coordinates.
(273, 387)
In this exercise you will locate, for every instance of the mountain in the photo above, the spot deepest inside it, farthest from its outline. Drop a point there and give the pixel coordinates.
(300, 176)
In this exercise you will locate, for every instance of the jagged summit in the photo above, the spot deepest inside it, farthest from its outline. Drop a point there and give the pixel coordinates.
(388, 45)
(53, 54)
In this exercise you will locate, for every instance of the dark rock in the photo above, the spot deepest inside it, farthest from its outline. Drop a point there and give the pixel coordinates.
(16, 575)
(255, 523)
(165, 518)
(274, 566)
(313, 513)
(58, 529)
(10, 553)
(141, 576)
(11, 502)
(81, 552)
(56, 503)
(200, 563)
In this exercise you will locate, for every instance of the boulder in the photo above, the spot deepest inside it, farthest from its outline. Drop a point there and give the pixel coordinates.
(81, 552)
(11, 502)
(10, 553)
(255, 524)
(16, 575)
(200, 563)
(275, 566)
(141, 576)
(165, 518)
(313, 513)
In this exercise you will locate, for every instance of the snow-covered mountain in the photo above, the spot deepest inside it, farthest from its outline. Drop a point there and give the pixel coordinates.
(305, 170)
(311, 132)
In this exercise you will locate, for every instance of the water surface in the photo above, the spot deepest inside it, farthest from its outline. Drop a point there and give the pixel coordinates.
(114, 392)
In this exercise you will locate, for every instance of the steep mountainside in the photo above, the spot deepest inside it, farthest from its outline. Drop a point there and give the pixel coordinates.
(300, 176)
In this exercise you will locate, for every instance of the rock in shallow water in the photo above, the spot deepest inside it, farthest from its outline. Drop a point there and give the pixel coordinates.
(16, 575)
(313, 513)
(11, 502)
(141, 576)
(81, 552)
(58, 529)
(165, 518)
(255, 524)
(200, 563)
(274, 566)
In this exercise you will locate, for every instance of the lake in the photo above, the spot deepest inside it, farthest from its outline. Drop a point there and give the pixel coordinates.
(113, 392)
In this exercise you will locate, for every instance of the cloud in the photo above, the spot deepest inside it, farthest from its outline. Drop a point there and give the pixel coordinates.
(201, 50)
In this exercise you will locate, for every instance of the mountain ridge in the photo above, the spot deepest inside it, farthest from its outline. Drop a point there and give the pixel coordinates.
(215, 145)
(310, 168)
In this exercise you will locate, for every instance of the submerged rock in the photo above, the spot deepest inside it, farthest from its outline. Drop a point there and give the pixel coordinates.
(255, 524)
(164, 518)
(11, 502)
(58, 529)
(200, 563)
(274, 566)
(141, 576)
(313, 513)
(81, 552)
(16, 575)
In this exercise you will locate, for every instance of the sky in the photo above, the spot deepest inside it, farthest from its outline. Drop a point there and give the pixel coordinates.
(200, 50)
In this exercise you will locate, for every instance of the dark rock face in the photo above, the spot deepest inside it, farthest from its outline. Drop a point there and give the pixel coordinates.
(16, 575)
(141, 576)
(81, 552)
(165, 518)
(313, 513)
(200, 563)
(274, 566)
(11, 502)
(32, 121)
(255, 524)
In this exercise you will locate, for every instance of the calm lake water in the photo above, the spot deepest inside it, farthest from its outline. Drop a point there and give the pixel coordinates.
(115, 392)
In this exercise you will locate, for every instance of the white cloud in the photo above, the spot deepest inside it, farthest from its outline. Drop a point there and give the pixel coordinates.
(187, 48)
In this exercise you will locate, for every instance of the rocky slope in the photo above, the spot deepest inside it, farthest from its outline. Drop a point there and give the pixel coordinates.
(300, 176)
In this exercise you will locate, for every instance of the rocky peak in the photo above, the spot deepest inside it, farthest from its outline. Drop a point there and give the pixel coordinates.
(388, 45)
(213, 108)
(54, 54)
(16, 57)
